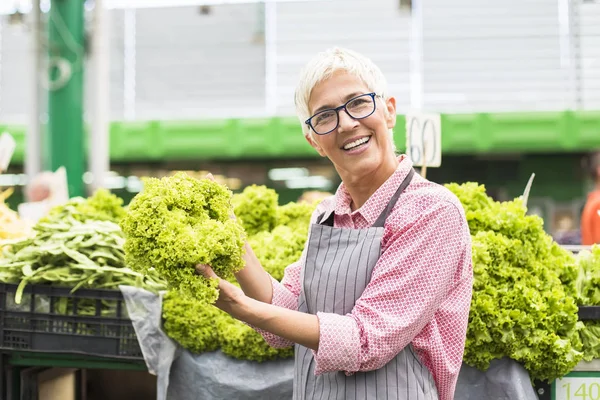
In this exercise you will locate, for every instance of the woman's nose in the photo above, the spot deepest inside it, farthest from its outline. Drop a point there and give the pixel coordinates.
(346, 122)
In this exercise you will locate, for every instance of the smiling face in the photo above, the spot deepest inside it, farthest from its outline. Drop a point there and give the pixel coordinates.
(358, 148)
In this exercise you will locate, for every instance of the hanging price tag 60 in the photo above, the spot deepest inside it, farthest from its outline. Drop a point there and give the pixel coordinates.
(424, 139)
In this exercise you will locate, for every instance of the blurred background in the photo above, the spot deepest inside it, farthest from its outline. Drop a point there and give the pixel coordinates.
(114, 90)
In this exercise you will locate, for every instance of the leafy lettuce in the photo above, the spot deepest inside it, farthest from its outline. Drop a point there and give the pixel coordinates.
(177, 222)
(523, 305)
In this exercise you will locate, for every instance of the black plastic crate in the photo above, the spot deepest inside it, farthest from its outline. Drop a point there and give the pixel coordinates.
(589, 313)
(54, 320)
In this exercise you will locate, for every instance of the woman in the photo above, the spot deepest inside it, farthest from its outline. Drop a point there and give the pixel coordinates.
(378, 304)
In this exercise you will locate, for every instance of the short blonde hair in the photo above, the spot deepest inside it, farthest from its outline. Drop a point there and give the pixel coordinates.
(322, 67)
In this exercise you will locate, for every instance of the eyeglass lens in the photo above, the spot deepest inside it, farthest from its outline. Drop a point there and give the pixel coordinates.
(327, 120)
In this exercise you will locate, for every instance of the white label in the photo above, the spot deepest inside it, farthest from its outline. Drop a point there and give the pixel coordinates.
(577, 388)
(424, 139)
(60, 192)
(7, 149)
(33, 211)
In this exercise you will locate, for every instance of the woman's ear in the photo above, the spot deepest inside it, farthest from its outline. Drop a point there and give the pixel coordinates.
(314, 144)
(390, 104)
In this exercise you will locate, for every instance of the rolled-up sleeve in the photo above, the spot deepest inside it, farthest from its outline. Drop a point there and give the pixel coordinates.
(410, 281)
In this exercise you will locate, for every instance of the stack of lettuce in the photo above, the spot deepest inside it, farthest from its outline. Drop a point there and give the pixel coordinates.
(588, 291)
(524, 305)
(178, 221)
(277, 235)
(524, 302)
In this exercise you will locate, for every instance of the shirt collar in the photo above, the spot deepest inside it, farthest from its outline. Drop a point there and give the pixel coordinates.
(378, 200)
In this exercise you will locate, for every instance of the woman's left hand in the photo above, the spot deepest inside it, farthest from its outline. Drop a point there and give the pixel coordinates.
(230, 296)
(297, 327)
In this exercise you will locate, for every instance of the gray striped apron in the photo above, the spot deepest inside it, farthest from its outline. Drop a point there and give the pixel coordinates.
(339, 263)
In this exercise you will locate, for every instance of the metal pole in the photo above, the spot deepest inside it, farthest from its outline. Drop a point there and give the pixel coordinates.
(570, 55)
(98, 150)
(33, 137)
(65, 100)
(416, 56)
(575, 25)
(129, 64)
(270, 13)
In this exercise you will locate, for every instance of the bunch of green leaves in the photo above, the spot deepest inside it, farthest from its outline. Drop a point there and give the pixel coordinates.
(277, 234)
(588, 279)
(588, 289)
(101, 206)
(296, 216)
(520, 307)
(178, 222)
(190, 322)
(256, 208)
(279, 248)
(241, 341)
(201, 327)
(590, 338)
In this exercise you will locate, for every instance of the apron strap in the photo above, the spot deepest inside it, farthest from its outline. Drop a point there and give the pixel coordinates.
(328, 221)
(385, 213)
(388, 209)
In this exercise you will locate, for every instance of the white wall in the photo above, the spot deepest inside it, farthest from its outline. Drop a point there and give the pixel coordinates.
(590, 54)
(478, 56)
(493, 56)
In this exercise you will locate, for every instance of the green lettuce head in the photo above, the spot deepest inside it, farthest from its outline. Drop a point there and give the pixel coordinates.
(178, 222)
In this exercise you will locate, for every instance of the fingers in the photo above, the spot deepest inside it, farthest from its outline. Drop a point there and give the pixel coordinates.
(206, 271)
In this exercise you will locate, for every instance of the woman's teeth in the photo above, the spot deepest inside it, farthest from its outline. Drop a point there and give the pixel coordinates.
(356, 143)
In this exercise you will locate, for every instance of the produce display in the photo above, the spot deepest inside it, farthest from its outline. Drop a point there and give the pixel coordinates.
(520, 307)
(190, 322)
(526, 292)
(295, 216)
(200, 327)
(283, 245)
(278, 249)
(178, 222)
(77, 245)
(588, 290)
(101, 206)
(193, 323)
(71, 253)
(256, 209)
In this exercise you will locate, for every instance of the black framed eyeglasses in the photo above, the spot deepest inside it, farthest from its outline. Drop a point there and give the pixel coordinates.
(359, 107)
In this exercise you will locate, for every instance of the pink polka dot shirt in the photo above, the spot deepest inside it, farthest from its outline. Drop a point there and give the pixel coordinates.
(419, 292)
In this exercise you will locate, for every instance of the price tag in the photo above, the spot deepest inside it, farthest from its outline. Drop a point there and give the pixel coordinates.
(424, 139)
(60, 192)
(578, 387)
(7, 149)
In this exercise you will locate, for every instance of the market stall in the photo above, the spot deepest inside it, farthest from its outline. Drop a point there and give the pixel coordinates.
(79, 290)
